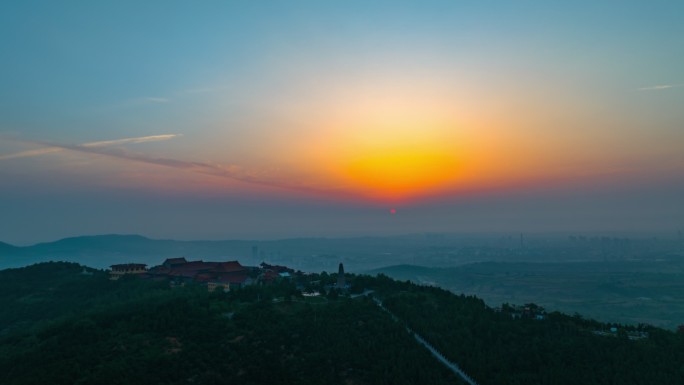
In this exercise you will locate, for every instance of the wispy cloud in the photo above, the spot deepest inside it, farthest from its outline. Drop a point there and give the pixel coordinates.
(173, 96)
(660, 87)
(140, 139)
(142, 101)
(198, 90)
(233, 172)
(153, 99)
(56, 148)
(111, 148)
(30, 153)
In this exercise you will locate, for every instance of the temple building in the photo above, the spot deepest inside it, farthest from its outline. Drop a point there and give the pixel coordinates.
(225, 275)
(341, 283)
(127, 268)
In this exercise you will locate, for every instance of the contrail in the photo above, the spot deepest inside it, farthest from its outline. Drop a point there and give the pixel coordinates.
(237, 173)
(141, 139)
(660, 87)
(109, 148)
(25, 154)
(56, 148)
(233, 172)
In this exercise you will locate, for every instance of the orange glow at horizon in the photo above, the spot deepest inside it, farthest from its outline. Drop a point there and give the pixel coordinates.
(399, 173)
(393, 140)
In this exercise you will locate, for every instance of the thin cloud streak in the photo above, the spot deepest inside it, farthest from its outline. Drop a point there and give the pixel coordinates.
(57, 148)
(30, 153)
(232, 172)
(157, 100)
(172, 97)
(141, 139)
(660, 87)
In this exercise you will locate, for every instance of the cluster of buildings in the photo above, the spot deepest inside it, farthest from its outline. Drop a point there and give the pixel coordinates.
(615, 331)
(529, 311)
(215, 275)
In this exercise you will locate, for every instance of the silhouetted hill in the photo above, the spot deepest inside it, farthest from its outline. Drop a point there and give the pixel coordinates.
(93, 241)
(100, 244)
(104, 250)
(11, 256)
(65, 324)
(402, 270)
(96, 240)
(636, 291)
(61, 326)
(7, 248)
(301, 253)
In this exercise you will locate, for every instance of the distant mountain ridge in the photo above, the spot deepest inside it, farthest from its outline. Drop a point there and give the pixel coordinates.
(309, 254)
(6, 247)
(600, 288)
(91, 242)
(102, 250)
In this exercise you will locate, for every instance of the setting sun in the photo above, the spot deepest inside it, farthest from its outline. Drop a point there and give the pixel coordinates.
(402, 172)
(385, 142)
(298, 119)
(340, 167)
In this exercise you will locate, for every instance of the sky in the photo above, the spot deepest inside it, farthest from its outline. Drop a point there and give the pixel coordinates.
(274, 119)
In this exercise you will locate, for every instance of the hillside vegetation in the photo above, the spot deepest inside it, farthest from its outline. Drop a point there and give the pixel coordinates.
(60, 325)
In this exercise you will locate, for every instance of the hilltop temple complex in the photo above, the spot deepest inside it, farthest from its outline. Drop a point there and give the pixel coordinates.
(215, 275)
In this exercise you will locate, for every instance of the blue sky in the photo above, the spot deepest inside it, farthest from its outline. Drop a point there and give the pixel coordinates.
(250, 112)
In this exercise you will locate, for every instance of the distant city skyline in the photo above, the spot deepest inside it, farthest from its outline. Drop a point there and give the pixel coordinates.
(263, 120)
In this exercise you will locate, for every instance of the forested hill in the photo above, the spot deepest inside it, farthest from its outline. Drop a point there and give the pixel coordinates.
(62, 323)
(6, 247)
